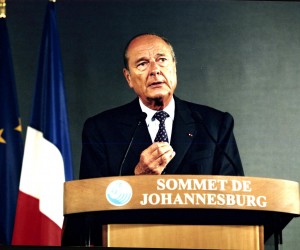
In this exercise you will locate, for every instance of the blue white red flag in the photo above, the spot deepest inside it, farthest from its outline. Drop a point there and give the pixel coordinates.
(47, 155)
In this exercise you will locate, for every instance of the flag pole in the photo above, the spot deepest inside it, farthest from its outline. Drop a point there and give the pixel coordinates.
(3, 8)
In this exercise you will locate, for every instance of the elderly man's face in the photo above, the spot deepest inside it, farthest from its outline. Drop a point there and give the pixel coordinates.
(152, 69)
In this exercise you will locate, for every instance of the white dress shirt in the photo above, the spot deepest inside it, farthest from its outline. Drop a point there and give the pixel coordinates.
(153, 125)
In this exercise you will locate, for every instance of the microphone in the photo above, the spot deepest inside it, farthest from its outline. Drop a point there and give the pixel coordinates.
(197, 116)
(141, 118)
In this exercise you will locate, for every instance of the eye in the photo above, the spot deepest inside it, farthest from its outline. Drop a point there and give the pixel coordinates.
(163, 61)
(142, 65)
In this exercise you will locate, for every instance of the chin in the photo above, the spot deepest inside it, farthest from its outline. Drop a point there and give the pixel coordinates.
(161, 95)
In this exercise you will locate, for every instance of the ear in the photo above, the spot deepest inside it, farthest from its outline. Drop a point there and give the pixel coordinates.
(127, 76)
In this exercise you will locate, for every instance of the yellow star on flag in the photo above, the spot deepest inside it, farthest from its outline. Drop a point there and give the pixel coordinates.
(1, 138)
(19, 127)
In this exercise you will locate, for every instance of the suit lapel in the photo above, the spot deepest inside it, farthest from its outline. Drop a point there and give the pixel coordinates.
(183, 132)
(140, 134)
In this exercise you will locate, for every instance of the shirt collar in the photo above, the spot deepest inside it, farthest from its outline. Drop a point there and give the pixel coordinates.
(170, 109)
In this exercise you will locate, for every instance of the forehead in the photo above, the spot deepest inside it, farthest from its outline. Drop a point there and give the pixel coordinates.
(147, 45)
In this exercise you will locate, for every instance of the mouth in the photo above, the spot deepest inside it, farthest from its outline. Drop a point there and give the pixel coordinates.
(155, 84)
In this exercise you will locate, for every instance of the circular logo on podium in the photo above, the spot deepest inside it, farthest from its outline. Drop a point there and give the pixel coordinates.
(118, 193)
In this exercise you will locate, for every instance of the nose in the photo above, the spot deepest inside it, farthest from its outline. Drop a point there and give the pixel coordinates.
(154, 69)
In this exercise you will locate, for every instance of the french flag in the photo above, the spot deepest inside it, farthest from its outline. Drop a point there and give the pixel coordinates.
(47, 155)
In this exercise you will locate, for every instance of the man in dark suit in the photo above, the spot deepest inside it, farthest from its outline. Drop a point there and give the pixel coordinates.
(137, 138)
(193, 139)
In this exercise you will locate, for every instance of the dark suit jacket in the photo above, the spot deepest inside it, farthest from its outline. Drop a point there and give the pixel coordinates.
(106, 137)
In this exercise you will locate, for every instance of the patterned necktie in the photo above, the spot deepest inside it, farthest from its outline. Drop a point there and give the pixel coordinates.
(162, 133)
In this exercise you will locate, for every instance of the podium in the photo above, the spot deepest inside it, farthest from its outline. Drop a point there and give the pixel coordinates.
(178, 211)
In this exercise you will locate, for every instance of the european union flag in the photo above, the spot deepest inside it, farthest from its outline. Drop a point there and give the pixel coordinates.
(11, 145)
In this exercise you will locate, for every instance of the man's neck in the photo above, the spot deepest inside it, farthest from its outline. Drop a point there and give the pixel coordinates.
(157, 103)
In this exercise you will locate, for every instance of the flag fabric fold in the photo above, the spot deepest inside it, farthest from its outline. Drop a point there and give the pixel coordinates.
(47, 155)
(11, 144)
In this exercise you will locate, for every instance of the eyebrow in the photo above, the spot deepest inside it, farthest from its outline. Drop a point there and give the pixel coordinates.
(146, 58)
(161, 54)
(141, 59)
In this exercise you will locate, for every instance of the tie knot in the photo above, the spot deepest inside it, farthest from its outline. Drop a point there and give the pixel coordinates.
(161, 116)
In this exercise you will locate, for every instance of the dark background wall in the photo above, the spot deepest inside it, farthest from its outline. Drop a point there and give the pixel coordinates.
(237, 56)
